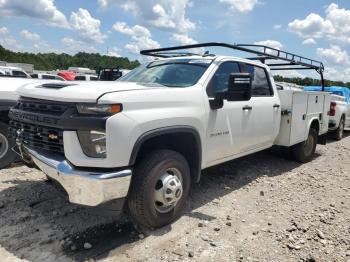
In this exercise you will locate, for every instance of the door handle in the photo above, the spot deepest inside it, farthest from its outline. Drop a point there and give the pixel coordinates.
(276, 106)
(247, 108)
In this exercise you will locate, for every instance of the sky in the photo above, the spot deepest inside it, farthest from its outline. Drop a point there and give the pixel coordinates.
(318, 29)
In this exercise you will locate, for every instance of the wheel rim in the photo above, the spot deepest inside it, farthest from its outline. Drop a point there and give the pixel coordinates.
(168, 190)
(4, 145)
(309, 145)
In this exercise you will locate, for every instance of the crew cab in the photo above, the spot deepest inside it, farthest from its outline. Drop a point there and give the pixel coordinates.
(143, 140)
(339, 119)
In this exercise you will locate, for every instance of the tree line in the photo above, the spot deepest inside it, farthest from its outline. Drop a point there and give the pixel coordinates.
(53, 61)
(307, 81)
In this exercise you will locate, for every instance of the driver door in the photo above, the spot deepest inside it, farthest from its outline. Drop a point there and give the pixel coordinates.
(226, 125)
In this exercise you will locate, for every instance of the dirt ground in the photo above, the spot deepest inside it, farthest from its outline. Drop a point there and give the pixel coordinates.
(258, 208)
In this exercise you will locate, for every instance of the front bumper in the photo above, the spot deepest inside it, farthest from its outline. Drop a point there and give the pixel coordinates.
(88, 188)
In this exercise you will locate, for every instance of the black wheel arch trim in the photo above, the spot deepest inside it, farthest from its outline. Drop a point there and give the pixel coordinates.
(169, 130)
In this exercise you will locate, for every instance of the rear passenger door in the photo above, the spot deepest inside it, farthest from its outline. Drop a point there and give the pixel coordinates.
(263, 112)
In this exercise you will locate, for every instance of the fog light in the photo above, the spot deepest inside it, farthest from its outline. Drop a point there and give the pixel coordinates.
(93, 143)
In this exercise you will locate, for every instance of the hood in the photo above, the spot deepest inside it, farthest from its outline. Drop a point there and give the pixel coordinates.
(9, 86)
(84, 91)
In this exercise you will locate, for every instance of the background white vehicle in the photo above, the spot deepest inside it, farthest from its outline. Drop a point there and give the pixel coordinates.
(339, 119)
(13, 72)
(47, 76)
(146, 137)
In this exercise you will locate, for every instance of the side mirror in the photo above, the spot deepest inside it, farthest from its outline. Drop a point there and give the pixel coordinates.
(239, 88)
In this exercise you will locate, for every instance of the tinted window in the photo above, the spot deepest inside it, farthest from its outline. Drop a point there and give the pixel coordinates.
(93, 78)
(18, 73)
(78, 78)
(34, 75)
(48, 77)
(221, 77)
(260, 84)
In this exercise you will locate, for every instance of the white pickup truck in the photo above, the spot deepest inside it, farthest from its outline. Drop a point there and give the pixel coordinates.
(339, 113)
(339, 119)
(146, 138)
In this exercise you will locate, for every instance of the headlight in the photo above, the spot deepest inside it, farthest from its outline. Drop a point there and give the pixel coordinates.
(93, 143)
(93, 109)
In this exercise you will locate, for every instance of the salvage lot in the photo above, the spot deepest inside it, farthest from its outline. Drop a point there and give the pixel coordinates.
(257, 208)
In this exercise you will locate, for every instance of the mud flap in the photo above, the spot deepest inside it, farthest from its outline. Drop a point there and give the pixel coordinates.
(322, 139)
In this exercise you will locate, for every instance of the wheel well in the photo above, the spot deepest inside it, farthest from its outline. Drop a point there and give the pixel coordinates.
(186, 143)
(315, 125)
(4, 117)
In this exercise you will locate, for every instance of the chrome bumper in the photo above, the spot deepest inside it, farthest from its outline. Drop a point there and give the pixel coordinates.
(83, 187)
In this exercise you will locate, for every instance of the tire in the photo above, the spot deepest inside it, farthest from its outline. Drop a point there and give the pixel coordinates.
(304, 151)
(158, 167)
(339, 133)
(7, 156)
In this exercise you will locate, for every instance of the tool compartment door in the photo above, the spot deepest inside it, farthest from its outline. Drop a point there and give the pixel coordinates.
(315, 103)
(299, 117)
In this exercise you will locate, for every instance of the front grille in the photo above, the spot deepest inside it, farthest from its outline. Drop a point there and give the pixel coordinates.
(42, 106)
(36, 136)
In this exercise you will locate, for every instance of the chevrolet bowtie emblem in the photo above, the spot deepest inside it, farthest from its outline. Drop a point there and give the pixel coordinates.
(53, 136)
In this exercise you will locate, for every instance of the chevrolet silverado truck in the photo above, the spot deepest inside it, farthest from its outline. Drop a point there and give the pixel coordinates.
(339, 113)
(143, 140)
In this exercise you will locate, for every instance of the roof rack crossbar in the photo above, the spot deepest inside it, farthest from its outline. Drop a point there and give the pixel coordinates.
(265, 52)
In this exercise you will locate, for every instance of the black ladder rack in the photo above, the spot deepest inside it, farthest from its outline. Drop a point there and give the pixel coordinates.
(283, 60)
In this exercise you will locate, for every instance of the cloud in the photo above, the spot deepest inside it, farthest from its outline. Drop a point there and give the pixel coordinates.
(276, 27)
(309, 41)
(142, 37)
(44, 11)
(337, 74)
(87, 26)
(334, 55)
(183, 39)
(135, 31)
(29, 35)
(270, 43)
(3, 30)
(242, 6)
(114, 51)
(74, 46)
(169, 15)
(334, 26)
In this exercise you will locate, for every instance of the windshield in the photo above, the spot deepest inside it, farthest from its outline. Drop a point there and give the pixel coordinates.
(171, 73)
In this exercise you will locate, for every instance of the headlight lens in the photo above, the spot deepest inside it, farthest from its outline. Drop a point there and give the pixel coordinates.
(93, 109)
(93, 143)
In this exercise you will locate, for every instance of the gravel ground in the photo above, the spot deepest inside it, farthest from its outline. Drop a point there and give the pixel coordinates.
(258, 208)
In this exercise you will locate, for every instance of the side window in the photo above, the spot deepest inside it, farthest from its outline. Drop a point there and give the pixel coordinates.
(79, 78)
(19, 74)
(220, 79)
(48, 77)
(260, 83)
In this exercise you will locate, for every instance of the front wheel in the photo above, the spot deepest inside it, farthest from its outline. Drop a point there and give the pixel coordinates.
(7, 156)
(159, 189)
(304, 151)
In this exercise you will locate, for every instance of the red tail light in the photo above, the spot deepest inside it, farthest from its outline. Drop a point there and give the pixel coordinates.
(332, 109)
